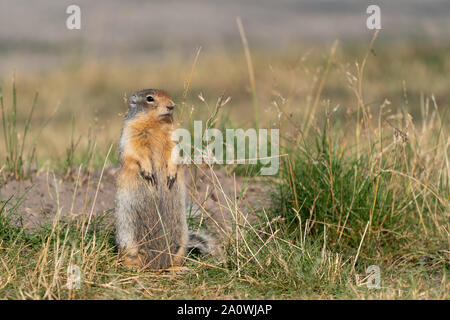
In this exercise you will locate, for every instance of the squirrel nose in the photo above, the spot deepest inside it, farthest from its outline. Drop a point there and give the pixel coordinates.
(171, 107)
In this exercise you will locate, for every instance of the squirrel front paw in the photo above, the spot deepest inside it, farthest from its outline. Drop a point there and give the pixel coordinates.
(149, 176)
(171, 180)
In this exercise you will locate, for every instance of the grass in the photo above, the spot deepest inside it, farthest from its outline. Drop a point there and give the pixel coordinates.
(325, 181)
(363, 180)
(35, 266)
(14, 145)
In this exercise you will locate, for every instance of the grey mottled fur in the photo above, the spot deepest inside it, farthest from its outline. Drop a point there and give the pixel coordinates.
(199, 242)
(152, 219)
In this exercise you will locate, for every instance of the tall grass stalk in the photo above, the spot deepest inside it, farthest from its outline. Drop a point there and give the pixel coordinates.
(13, 139)
(251, 71)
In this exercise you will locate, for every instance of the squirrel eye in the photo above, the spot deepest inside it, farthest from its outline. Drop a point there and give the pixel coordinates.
(150, 99)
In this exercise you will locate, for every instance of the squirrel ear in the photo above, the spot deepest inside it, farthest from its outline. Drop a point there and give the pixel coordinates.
(133, 100)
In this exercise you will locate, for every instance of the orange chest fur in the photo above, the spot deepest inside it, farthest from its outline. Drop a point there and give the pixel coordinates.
(152, 142)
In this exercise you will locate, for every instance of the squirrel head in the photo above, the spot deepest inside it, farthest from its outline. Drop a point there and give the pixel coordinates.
(153, 103)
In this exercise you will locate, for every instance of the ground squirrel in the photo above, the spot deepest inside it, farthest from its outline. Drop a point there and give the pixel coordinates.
(151, 227)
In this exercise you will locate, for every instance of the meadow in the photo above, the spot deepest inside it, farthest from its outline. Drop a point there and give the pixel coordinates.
(363, 179)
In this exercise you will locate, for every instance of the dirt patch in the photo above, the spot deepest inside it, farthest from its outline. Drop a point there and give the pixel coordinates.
(39, 199)
(213, 197)
(220, 198)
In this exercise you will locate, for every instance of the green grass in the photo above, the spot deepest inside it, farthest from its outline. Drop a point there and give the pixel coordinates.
(326, 182)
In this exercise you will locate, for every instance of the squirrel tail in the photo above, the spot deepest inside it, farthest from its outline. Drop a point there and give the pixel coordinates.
(200, 243)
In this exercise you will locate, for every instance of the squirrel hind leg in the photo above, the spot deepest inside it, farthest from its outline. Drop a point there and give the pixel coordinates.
(199, 243)
(131, 262)
(132, 259)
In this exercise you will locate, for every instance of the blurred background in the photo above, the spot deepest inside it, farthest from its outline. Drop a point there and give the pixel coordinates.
(82, 76)
(35, 31)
